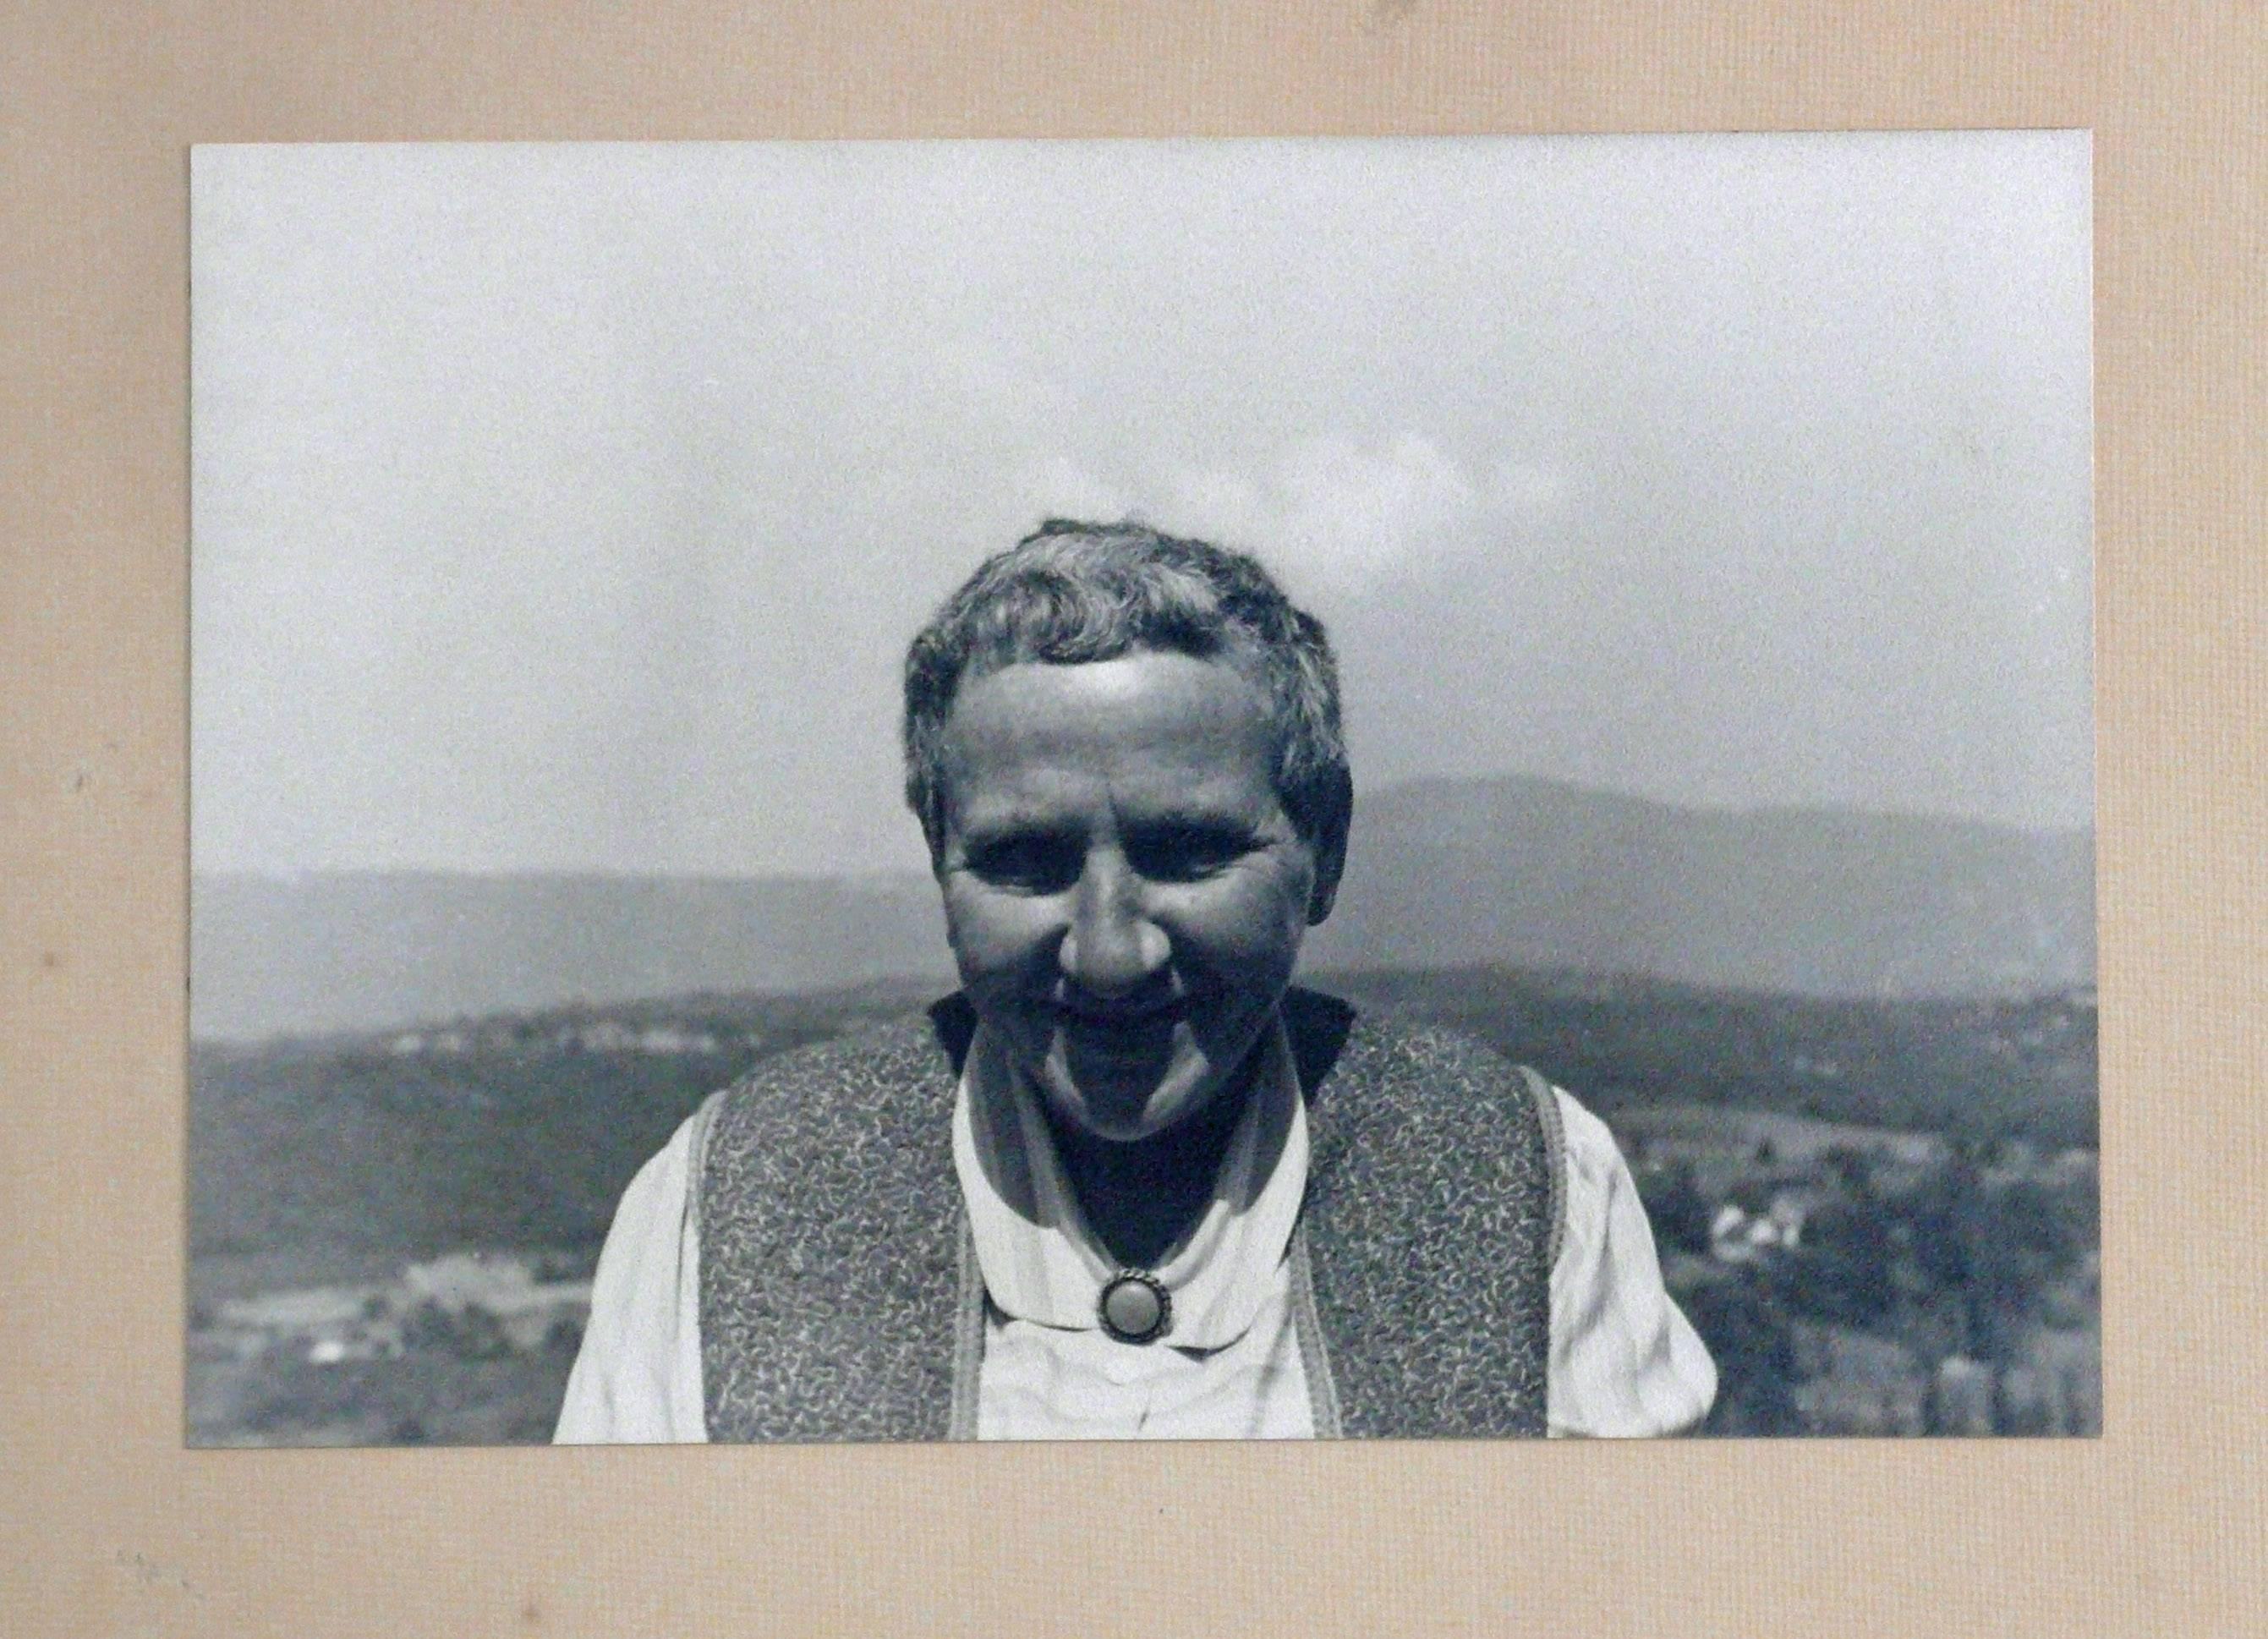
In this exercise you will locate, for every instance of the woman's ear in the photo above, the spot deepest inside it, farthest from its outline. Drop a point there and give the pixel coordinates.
(1330, 845)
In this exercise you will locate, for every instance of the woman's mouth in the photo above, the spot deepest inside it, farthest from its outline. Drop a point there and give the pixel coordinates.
(1104, 1019)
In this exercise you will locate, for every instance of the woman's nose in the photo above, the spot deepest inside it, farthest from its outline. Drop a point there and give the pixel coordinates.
(1112, 947)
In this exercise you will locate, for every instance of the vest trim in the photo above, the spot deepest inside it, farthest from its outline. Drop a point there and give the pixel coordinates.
(969, 1345)
(840, 1298)
(1308, 1337)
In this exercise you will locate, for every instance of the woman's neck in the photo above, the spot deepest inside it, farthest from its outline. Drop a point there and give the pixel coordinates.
(1140, 1197)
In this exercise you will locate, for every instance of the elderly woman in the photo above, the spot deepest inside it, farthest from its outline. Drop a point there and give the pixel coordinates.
(1129, 1181)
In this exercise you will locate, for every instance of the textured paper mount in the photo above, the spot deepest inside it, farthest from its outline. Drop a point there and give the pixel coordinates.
(109, 1526)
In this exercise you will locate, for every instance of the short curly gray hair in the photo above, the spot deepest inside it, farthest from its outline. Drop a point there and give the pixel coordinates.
(1072, 592)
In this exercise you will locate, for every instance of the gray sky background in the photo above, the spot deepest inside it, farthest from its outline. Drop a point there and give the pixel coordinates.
(569, 507)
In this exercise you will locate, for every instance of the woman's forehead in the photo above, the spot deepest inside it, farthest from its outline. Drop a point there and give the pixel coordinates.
(1143, 691)
(1150, 714)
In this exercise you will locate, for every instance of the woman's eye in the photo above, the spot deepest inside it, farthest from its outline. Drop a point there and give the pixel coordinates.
(1028, 864)
(1181, 856)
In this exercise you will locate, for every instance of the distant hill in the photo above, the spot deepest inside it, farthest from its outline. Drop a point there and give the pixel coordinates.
(521, 1129)
(1973, 1066)
(1446, 874)
(355, 951)
(1443, 874)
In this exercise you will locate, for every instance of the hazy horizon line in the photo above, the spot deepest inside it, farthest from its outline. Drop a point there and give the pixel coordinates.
(897, 873)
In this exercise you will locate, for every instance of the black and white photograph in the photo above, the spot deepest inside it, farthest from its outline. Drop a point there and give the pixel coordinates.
(1200, 789)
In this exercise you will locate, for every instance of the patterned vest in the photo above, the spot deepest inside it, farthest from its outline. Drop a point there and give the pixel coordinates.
(840, 1297)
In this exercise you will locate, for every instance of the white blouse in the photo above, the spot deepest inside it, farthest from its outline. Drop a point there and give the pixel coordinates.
(1624, 1361)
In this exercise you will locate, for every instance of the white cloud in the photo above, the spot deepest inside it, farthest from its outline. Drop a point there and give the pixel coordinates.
(1347, 518)
(1059, 487)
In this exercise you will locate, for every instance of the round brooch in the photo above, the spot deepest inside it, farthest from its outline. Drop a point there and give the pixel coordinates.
(1135, 1306)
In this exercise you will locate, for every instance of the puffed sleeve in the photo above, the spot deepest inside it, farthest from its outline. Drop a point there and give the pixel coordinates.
(638, 1376)
(1624, 1360)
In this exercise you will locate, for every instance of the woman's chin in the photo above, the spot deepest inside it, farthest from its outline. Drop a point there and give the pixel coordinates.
(1122, 1111)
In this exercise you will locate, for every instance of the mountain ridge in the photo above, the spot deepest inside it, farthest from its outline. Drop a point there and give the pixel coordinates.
(1441, 872)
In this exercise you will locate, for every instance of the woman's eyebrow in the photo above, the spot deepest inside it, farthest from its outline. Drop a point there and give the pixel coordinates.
(1009, 824)
(1191, 818)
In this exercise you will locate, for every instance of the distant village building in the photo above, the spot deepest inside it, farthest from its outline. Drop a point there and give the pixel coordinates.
(474, 1295)
(526, 1308)
(606, 1036)
(1737, 1235)
(1961, 1398)
(310, 1310)
(2055, 1386)
(337, 1351)
(1859, 1383)
(521, 1035)
(675, 1038)
(326, 1325)
(1765, 1220)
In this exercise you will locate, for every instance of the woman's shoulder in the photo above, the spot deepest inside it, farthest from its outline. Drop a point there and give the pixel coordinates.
(1432, 1101)
(1332, 1036)
(875, 1076)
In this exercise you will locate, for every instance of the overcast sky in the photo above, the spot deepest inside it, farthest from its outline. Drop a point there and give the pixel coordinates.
(570, 507)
